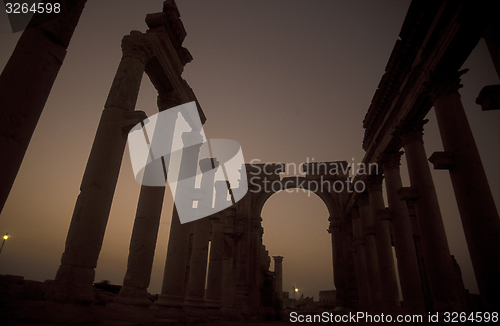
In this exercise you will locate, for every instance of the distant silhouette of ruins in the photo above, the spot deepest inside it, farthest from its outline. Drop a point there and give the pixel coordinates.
(435, 40)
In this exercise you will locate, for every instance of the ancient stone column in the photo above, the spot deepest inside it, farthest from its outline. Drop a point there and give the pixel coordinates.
(86, 232)
(402, 234)
(213, 295)
(372, 266)
(360, 260)
(432, 233)
(278, 278)
(477, 208)
(26, 82)
(174, 278)
(338, 261)
(199, 254)
(384, 246)
(146, 225)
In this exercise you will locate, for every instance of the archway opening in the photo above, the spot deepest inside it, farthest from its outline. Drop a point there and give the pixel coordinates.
(295, 223)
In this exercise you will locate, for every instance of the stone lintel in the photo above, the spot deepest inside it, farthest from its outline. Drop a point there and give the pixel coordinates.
(489, 98)
(408, 193)
(442, 160)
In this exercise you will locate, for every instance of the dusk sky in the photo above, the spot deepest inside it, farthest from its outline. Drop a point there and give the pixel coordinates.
(290, 80)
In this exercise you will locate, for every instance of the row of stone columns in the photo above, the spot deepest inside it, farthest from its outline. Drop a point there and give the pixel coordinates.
(371, 220)
(476, 205)
(86, 232)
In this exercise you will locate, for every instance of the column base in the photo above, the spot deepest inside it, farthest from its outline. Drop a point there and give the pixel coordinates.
(195, 307)
(133, 296)
(73, 284)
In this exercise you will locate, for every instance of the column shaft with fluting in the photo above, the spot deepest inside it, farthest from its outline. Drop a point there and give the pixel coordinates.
(409, 276)
(360, 259)
(199, 255)
(213, 294)
(26, 82)
(476, 205)
(372, 265)
(146, 225)
(438, 262)
(384, 246)
(278, 280)
(174, 277)
(86, 232)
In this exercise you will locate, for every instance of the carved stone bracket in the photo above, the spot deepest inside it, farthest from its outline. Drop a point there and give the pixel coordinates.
(442, 160)
(408, 193)
(132, 118)
(489, 98)
(384, 214)
(369, 230)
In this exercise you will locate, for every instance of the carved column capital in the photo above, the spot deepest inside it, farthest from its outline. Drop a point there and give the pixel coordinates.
(278, 259)
(390, 160)
(374, 182)
(135, 45)
(443, 83)
(410, 131)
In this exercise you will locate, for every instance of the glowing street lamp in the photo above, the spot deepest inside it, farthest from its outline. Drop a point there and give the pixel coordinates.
(5, 237)
(294, 291)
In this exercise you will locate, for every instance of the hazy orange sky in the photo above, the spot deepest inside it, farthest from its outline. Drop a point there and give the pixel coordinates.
(289, 80)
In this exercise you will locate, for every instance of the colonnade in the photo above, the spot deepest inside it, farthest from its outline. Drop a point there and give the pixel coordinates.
(363, 230)
(436, 274)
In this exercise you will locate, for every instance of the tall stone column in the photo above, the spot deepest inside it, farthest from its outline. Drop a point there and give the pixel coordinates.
(86, 232)
(26, 82)
(278, 279)
(213, 295)
(146, 225)
(174, 277)
(372, 266)
(339, 262)
(432, 233)
(360, 260)
(402, 233)
(384, 246)
(477, 208)
(199, 254)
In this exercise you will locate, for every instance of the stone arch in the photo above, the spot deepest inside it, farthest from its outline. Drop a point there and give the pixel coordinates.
(295, 182)
(331, 183)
